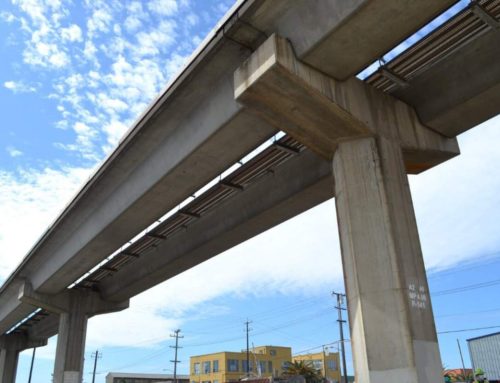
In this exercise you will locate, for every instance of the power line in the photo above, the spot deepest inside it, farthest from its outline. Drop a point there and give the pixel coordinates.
(320, 346)
(467, 329)
(493, 258)
(467, 288)
(303, 303)
(468, 313)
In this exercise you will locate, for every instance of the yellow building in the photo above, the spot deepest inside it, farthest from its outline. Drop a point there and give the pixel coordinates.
(222, 367)
(326, 363)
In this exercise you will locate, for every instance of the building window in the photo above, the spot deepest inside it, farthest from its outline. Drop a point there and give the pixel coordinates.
(272, 352)
(244, 366)
(215, 367)
(262, 366)
(317, 364)
(332, 365)
(233, 365)
(270, 367)
(216, 381)
(196, 369)
(206, 367)
(206, 381)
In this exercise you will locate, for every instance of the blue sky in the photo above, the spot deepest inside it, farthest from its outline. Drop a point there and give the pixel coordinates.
(73, 77)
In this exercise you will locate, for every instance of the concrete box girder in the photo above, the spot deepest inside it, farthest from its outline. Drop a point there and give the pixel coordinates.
(297, 185)
(359, 31)
(458, 93)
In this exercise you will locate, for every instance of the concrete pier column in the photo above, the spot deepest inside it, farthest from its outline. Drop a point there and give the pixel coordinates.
(70, 350)
(74, 307)
(392, 327)
(10, 347)
(8, 364)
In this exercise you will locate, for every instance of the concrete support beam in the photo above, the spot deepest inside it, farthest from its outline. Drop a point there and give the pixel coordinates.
(392, 327)
(321, 112)
(90, 302)
(10, 347)
(74, 308)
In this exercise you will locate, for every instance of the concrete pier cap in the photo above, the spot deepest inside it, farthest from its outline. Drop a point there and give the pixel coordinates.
(373, 141)
(10, 347)
(74, 307)
(321, 111)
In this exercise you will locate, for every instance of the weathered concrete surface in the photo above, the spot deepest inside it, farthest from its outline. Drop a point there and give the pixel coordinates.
(393, 334)
(297, 185)
(10, 347)
(321, 112)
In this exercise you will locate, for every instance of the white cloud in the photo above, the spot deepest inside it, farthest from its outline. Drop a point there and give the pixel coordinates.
(163, 7)
(457, 203)
(59, 59)
(7, 17)
(114, 131)
(193, 19)
(72, 33)
(13, 152)
(34, 8)
(175, 63)
(29, 201)
(156, 40)
(84, 134)
(132, 23)
(19, 87)
(99, 22)
(90, 50)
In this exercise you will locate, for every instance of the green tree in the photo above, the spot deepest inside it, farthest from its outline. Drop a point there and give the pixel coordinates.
(304, 369)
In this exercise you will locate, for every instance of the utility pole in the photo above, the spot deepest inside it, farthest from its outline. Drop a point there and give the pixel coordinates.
(175, 361)
(248, 346)
(96, 356)
(462, 358)
(340, 298)
(31, 367)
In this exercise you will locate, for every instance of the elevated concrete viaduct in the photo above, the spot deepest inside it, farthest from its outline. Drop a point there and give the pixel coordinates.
(271, 66)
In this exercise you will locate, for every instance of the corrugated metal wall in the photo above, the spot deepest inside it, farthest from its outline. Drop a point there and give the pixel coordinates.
(485, 354)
